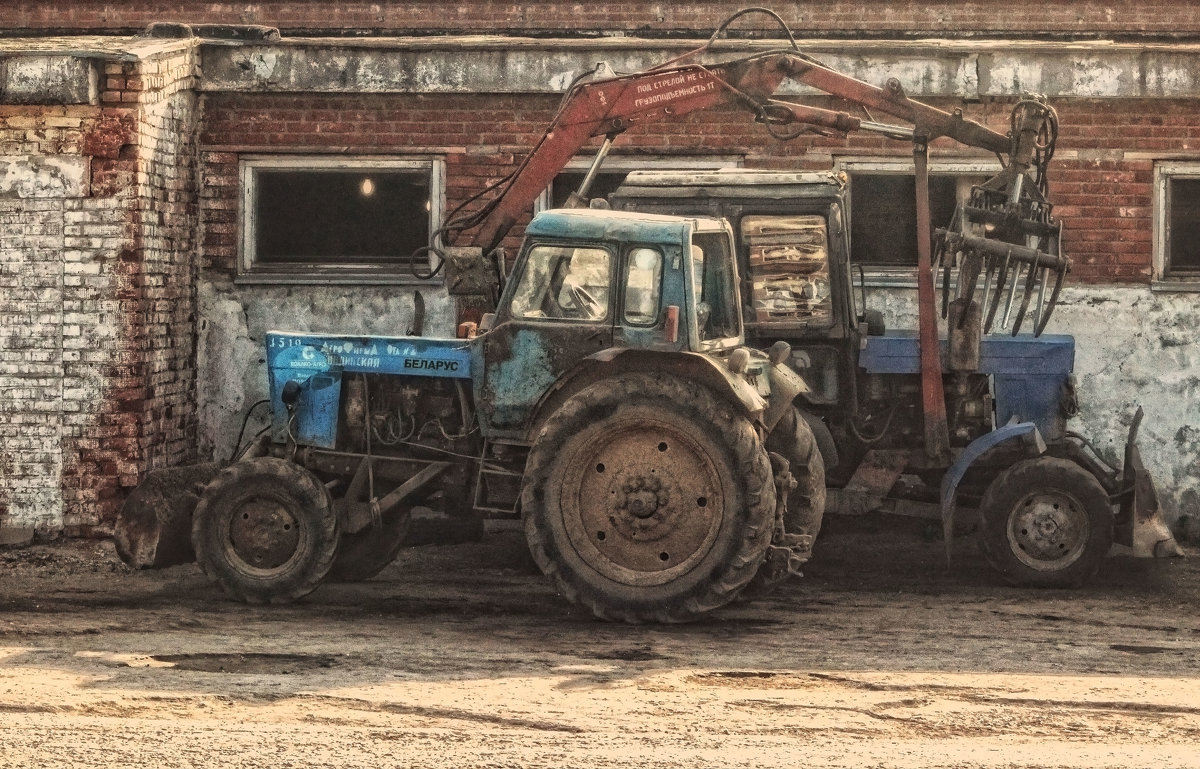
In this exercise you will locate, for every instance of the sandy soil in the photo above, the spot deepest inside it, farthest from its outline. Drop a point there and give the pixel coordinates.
(460, 657)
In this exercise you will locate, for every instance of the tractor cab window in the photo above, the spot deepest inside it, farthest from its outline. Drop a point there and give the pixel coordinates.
(714, 286)
(564, 282)
(788, 258)
(643, 286)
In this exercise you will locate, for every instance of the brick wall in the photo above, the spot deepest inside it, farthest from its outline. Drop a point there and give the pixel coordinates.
(97, 310)
(41, 148)
(139, 295)
(824, 19)
(1103, 197)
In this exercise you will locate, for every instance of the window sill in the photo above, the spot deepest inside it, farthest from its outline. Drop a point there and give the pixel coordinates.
(341, 277)
(904, 277)
(1177, 285)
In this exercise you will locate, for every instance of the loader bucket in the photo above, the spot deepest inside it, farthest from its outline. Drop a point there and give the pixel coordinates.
(154, 527)
(1141, 525)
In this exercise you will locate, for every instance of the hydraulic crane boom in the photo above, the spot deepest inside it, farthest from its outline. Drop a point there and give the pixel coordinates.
(610, 106)
(1005, 227)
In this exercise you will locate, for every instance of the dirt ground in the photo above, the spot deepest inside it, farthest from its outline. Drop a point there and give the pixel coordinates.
(458, 656)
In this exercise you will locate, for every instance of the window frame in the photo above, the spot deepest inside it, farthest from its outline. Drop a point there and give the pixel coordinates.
(626, 274)
(323, 273)
(884, 276)
(1166, 171)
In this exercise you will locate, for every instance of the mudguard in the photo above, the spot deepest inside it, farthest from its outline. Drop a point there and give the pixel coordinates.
(1141, 525)
(1024, 431)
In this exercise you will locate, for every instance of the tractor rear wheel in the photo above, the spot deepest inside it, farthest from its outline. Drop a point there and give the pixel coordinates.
(647, 499)
(266, 530)
(793, 439)
(1047, 522)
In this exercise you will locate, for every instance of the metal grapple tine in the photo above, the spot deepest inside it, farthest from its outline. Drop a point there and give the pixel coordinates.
(1030, 283)
(989, 271)
(1012, 294)
(1043, 276)
(1059, 277)
(1001, 277)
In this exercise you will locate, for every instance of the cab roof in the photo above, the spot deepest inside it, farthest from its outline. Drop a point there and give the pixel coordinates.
(625, 226)
(732, 183)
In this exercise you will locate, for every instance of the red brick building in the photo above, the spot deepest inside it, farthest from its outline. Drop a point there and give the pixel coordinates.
(166, 199)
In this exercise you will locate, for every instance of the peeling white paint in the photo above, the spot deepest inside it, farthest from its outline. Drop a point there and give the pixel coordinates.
(44, 176)
(48, 80)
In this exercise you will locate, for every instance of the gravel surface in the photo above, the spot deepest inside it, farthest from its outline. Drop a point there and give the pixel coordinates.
(460, 656)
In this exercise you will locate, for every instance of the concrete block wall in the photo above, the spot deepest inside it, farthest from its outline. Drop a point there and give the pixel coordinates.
(697, 17)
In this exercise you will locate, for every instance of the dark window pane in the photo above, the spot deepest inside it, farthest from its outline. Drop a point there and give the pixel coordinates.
(883, 227)
(1185, 227)
(605, 183)
(340, 216)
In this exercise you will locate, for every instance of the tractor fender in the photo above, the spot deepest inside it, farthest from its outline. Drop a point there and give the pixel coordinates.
(1023, 431)
(726, 385)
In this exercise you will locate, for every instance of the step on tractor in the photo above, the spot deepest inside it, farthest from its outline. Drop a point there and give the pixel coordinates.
(613, 387)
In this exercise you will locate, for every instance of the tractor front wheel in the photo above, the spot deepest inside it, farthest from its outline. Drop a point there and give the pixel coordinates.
(1047, 522)
(266, 530)
(647, 499)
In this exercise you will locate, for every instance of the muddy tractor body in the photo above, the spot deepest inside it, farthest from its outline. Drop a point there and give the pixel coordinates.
(1048, 507)
(609, 403)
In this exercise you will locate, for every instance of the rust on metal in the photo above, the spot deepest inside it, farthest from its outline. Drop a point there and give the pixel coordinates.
(933, 398)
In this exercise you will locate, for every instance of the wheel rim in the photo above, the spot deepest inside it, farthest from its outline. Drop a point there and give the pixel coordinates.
(261, 535)
(641, 502)
(1048, 530)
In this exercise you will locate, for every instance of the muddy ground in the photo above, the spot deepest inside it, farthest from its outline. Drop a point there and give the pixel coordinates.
(459, 657)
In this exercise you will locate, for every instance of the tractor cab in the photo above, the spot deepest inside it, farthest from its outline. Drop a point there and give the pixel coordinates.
(590, 283)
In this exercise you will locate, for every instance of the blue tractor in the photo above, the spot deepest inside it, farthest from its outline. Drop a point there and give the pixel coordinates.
(610, 400)
(658, 395)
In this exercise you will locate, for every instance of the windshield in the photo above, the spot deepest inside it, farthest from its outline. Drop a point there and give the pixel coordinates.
(564, 282)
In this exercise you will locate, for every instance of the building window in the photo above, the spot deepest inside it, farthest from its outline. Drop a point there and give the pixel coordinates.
(338, 219)
(614, 170)
(1177, 222)
(883, 208)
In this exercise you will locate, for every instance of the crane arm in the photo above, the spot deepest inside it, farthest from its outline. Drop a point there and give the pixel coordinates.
(608, 106)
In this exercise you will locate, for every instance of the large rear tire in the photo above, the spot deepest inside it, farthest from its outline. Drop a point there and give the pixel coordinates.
(1047, 522)
(647, 499)
(793, 439)
(265, 529)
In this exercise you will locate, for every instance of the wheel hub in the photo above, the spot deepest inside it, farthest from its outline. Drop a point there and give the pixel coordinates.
(642, 502)
(1048, 530)
(263, 533)
(641, 506)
